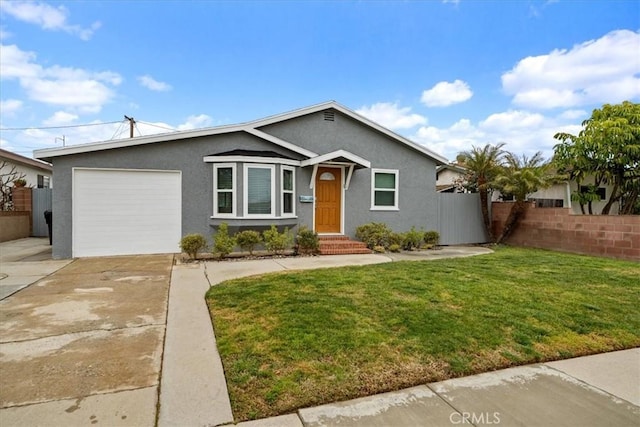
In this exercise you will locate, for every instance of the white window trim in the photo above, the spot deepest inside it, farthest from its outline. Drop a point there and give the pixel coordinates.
(234, 185)
(284, 214)
(245, 202)
(396, 172)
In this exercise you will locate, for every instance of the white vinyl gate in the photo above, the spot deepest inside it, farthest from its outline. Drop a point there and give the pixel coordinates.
(124, 212)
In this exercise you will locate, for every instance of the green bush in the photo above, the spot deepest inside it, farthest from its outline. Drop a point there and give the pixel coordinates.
(431, 238)
(307, 241)
(374, 234)
(412, 239)
(379, 249)
(394, 247)
(191, 244)
(276, 242)
(247, 240)
(396, 239)
(223, 244)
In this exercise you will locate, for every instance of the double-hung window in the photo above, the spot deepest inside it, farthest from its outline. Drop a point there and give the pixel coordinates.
(384, 189)
(287, 181)
(259, 190)
(224, 194)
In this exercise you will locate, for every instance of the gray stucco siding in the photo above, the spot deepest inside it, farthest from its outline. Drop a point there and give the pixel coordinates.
(417, 206)
(185, 156)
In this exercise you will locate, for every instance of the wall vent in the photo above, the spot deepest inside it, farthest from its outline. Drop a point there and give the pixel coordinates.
(329, 116)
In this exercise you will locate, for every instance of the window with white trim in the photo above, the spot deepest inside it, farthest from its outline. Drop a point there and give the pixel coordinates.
(224, 190)
(384, 189)
(287, 197)
(259, 190)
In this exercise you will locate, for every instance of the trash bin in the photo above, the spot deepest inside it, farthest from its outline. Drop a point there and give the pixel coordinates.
(48, 218)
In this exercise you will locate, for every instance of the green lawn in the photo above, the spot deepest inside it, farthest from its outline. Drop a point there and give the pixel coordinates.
(297, 339)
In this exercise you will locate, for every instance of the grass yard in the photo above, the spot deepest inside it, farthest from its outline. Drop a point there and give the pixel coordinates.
(298, 339)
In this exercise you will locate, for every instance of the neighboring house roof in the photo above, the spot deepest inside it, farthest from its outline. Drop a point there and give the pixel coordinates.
(248, 127)
(24, 161)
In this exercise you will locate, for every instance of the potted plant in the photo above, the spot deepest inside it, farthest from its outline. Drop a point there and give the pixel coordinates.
(20, 182)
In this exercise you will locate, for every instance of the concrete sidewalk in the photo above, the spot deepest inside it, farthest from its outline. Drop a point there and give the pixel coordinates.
(595, 390)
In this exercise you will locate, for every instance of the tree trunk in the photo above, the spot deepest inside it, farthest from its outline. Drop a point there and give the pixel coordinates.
(484, 206)
(614, 197)
(512, 220)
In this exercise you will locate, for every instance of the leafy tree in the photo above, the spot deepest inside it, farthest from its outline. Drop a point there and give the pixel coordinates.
(483, 165)
(521, 177)
(607, 148)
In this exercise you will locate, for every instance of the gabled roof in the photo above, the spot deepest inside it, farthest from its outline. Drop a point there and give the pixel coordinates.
(25, 161)
(248, 127)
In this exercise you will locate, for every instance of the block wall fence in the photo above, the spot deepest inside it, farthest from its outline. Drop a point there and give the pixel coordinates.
(16, 224)
(613, 236)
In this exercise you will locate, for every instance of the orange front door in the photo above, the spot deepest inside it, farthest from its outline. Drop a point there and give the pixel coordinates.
(328, 200)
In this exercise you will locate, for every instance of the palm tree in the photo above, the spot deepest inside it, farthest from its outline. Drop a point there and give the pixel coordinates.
(483, 165)
(521, 177)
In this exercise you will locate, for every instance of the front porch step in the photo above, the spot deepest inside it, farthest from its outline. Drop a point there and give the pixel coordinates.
(341, 245)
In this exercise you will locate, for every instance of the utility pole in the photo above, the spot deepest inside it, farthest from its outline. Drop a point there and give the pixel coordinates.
(62, 139)
(132, 123)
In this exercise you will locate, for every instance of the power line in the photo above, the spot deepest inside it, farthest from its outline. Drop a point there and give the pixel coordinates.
(59, 127)
(157, 126)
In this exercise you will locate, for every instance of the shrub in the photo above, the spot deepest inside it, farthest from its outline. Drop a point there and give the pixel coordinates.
(396, 239)
(223, 244)
(431, 238)
(394, 247)
(191, 244)
(276, 242)
(379, 249)
(247, 240)
(412, 239)
(307, 241)
(374, 234)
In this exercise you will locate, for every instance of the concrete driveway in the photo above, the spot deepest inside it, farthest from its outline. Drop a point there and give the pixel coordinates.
(83, 345)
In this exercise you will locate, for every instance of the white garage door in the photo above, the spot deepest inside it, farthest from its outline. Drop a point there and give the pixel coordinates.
(124, 212)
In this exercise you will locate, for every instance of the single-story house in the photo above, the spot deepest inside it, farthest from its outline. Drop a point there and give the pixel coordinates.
(448, 177)
(559, 196)
(324, 166)
(38, 174)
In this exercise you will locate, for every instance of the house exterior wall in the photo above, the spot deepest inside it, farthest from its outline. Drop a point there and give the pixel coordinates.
(448, 177)
(31, 174)
(186, 156)
(417, 172)
(417, 207)
(563, 191)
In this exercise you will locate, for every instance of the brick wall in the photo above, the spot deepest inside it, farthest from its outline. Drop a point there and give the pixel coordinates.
(14, 225)
(614, 236)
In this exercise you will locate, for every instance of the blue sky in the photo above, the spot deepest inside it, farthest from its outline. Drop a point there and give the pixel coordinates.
(446, 74)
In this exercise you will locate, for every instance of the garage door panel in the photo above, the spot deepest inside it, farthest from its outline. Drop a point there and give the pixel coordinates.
(121, 212)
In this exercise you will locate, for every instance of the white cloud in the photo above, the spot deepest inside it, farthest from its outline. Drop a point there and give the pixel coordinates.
(194, 122)
(10, 106)
(444, 94)
(391, 116)
(599, 71)
(573, 115)
(152, 84)
(46, 17)
(77, 88)
(512, 120)
(60, 118)
(524, 133)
